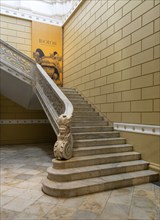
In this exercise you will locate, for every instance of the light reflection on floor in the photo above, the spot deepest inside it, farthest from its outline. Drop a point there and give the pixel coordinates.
(24, 166)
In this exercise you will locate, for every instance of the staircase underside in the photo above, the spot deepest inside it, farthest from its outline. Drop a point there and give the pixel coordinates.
(12, 87)
(102, 160)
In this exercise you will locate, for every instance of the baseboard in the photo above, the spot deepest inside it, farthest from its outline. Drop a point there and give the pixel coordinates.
(155, 167)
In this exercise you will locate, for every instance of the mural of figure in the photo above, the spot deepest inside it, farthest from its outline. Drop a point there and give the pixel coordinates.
(55, 74)
(51, 64)
(38, 55)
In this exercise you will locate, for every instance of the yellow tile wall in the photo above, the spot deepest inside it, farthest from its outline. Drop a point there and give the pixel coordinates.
(23, 133)
(16, 32)
(111, 54)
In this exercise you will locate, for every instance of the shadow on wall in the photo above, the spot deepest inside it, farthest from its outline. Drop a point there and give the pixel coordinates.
(27, 134)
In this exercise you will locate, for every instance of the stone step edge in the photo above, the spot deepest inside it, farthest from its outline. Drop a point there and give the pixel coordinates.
(85, 129)
(98, 139)
(104, 159)
(102, 147)
(95, 132)
(102, 122)
(88, 117)
(77, 99)
(98, 156)
(86, 169)
(67, 88)
(93, 185)
(73, 93)
(86, 151)
(79, 106)
(92, 126)
(85, 112)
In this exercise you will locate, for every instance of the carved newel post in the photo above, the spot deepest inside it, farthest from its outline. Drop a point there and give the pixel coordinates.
(64, 144)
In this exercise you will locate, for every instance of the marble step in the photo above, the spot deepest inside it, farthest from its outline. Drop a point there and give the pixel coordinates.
(98, 142)
(73, 96)
(95, 171)
(83, 108)
(89, 123)
(82, 105)
(76, 98)
(66, 92)
(88, 118)
(95, 135)
(85, 151)
(77, 101)
(91, 160)
(78, 129)
(67, 89)
(85, 113)
(93, 185)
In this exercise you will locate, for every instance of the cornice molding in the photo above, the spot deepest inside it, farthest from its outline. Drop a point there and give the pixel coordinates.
(57, 19)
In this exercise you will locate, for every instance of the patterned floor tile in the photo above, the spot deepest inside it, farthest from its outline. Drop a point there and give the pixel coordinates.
(24, 166)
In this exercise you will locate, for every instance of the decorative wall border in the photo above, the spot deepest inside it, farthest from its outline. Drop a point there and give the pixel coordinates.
(137, 128)
(23, 121)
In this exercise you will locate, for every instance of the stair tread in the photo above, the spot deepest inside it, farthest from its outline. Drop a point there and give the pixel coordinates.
(88, 116)
(104, 126)
(98, 139)
(80, 106)
(95, 167)
(96, 132)
(102, 147)
(97, 180)
(99, 122)
(92, 126)
(85, 111)
(88, 157)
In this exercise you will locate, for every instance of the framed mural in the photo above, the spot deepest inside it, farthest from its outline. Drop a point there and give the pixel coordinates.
(47, 49)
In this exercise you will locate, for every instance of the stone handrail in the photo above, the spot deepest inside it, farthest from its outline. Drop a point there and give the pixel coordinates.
(57, 107)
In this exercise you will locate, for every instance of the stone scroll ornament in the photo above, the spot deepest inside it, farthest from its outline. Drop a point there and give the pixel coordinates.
(64, 144)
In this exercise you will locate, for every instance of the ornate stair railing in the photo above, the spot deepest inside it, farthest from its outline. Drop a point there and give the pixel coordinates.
(57, 107)
(59, 111)
(16, 63)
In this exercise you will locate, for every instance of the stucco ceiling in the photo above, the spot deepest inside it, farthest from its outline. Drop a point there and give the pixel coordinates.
(54, 12)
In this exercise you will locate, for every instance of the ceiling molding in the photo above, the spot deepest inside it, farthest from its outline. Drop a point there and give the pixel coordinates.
(31, 16)
(54, 12)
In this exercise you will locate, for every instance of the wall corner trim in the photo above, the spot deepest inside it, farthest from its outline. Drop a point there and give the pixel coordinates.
(137, 128)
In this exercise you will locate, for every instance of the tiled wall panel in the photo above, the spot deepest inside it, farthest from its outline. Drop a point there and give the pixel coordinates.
(16, 32)
(111, 54)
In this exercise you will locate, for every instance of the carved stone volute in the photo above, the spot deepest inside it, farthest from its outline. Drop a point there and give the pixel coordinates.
(64, 144)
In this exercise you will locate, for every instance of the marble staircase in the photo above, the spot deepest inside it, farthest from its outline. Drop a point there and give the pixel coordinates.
(102, 160)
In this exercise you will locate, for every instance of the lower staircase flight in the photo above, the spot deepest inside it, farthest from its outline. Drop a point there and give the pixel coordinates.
(89, 155)
(101, 160)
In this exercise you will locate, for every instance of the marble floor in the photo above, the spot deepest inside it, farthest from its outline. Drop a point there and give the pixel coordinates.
(24, 166)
